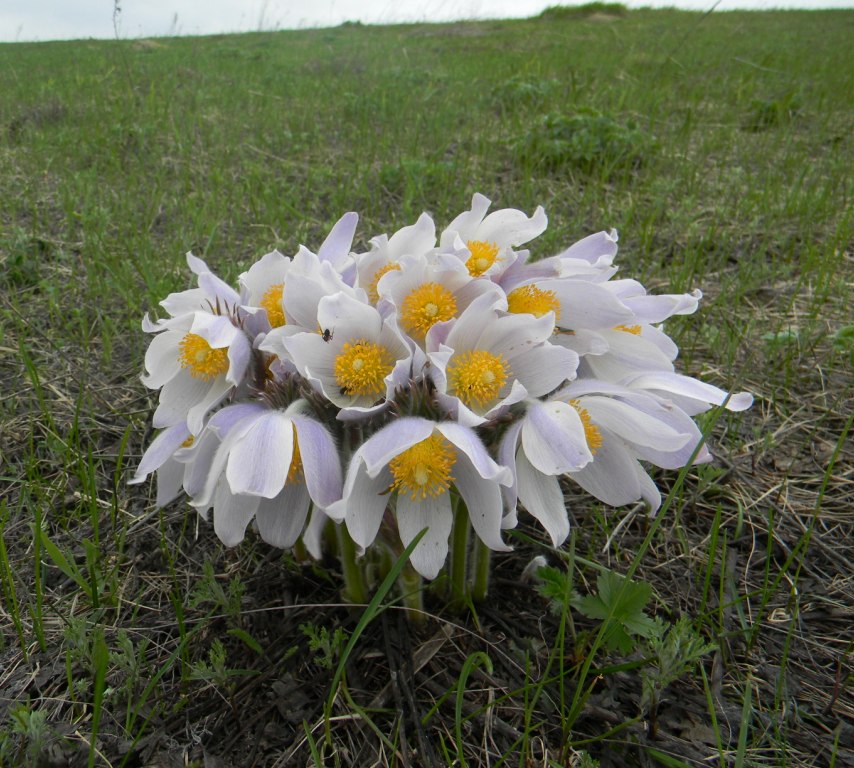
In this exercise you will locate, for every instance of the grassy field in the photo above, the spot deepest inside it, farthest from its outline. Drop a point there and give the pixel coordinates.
(719, 146)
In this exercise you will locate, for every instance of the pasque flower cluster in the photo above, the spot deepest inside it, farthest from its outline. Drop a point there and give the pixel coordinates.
(383, 391)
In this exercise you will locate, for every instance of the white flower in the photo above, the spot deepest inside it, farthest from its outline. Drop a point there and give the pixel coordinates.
(488, 241)
(270, 465)
(358, 363)
(197, 359)
(263, 286)
(161, 457)
(485, 361)
(425, 292)
(412, 464)
(309, 280)
(621, 426)
(386, 253)
(548, 441)
(589, 259)
(211, 295)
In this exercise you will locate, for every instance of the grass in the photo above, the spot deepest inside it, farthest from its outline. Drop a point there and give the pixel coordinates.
(719, 146)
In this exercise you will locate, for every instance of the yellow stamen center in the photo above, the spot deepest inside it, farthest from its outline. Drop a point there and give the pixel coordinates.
(272, 302)
(424, 469)
(295, 471)
(360, 368)
(373, 296)
(427, 305)
(591, 431)
(476, 377)
(204, 361)
(188, 442)
(635, 329)
(532, 300)
(482, 256)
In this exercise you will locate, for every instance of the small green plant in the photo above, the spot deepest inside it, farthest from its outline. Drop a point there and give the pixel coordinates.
(35, 732)
(620, 603)
(325, 645)
(673, 653)
(214, 670)
(586, 141)
(225, 600)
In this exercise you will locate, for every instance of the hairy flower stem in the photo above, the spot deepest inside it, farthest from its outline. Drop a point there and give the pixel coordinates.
(459, 550)
(354, 584)
(482, 556)
(412, 589)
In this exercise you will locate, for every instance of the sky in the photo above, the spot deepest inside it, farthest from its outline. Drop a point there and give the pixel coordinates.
(31, 20)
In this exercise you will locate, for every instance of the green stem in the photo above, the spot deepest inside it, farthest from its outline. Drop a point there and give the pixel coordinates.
(412, 589)
(354, 584)
(459, 551)
(482, 558)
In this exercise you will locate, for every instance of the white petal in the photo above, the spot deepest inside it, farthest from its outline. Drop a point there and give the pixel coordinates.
(511, 227)
(320, 461)
(393, 440)
(483, 502)
(543, 498)
(336, 248)
(513, 333)
(507, 458)
(176, 398)
(587, 305)
(466, 223)
(216, 392)
(281, 519)
(232, 514)
(593, 248)
(312, 537)
(690, 394)
(239, 353)
(363, 508)
(612, 476)
(258, 463)
(544, 367)
(470, 444)
(553, 438)
(416, 239)
(348, 319)
(632, 424)
(162, 448)
(162, 359)
(170, 476)
(433, 513)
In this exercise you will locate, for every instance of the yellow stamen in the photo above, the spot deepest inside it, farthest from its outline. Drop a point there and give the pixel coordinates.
(591, 431)
(188, 442)
(427, 305)
(295, 470)
(532, 300)
(477, 377)
(204, 361)
(635, 329)
(424, 469)
(272, 302)
(482, 256)
(360, 368)
(373, 296)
